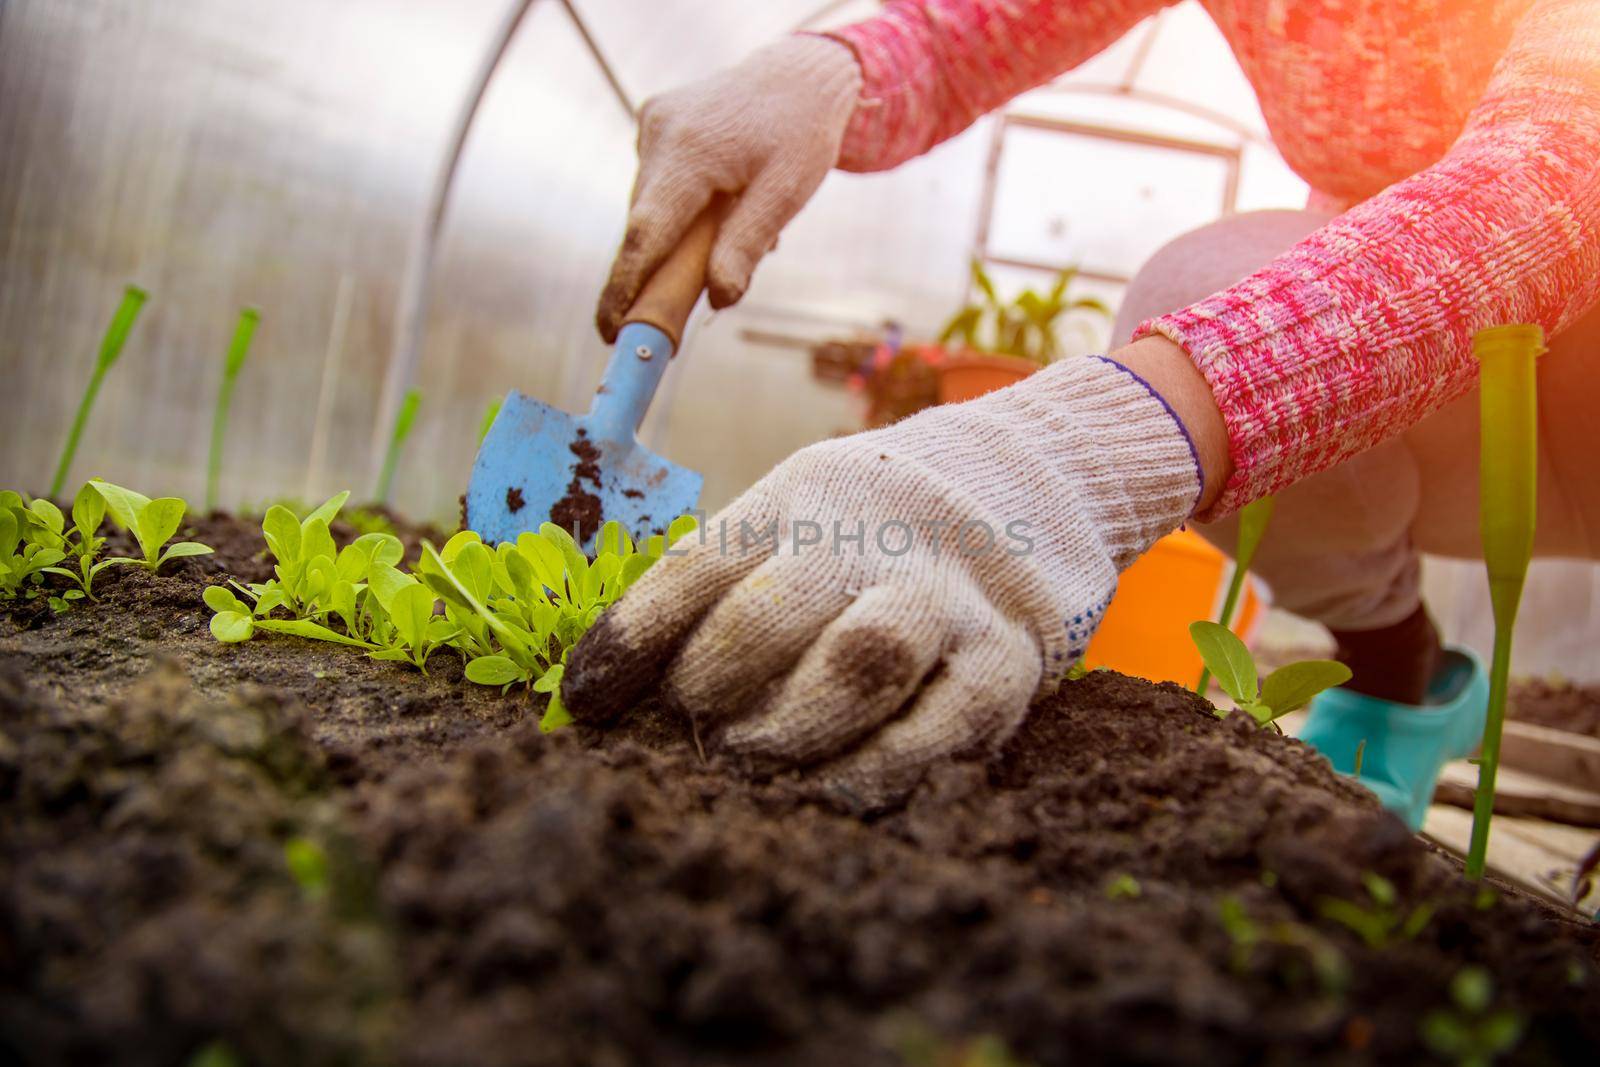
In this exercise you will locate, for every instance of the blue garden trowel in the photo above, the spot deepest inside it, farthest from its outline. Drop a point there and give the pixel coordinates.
(540, 464)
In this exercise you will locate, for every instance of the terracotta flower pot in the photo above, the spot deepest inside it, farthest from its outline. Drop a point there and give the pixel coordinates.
(964, 375)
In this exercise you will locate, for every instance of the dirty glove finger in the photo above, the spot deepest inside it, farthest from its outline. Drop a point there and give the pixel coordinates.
(751, 229)
(662, 211)
(862, 670)
(975, 702)
(752, 635)
(635, 639)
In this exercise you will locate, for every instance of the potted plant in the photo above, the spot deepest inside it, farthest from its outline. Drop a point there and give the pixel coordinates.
(992, 343)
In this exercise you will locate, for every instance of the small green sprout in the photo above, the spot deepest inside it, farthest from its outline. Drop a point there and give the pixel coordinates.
(82, 544)
(1469, 1034)
(404, 419)
(1123, 887)
(308, 864)
(152, 523)
(1254, 518)
(1327, 963)
(1383, 920)
(1284, 690)
(249, 319)
(216, 1054)
(133, 299)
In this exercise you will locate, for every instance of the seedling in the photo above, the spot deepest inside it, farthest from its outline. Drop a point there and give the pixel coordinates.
(308, 865)
(1254, 518)
(404, 419)
(521, 607)
(152, 523)
(1470, 1034)
(82, 543)
(1507, 499)
(512, 613)
(34, 540)
(249, 318)
(30, 544)
(1123, 887)
(1327, 962)
(317, 582)
(1383, 920)
(1284, 690)
(133, 299)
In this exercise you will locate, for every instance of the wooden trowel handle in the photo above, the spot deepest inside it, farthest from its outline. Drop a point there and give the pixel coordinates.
(670, 295)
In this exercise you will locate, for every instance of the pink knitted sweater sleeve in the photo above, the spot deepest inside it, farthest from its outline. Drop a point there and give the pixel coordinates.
(930, 67)
(1363, 328)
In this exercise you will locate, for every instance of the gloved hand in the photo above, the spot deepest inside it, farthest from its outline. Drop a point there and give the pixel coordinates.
(930, 579)
(765, 132)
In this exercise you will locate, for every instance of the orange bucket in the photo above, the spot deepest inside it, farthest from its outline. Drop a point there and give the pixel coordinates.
(1146, 629)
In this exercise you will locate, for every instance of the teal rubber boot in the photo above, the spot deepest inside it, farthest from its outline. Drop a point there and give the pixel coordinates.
(1406, 744)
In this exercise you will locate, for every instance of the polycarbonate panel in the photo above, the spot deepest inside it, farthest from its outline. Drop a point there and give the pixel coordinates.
(223, 153)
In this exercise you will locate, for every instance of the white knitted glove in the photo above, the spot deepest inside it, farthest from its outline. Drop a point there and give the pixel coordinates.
(766, 131)
(993, 533)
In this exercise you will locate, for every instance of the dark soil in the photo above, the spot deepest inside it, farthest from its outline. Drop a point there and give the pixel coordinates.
(494, 895)
(579, 512)
(1574, 708)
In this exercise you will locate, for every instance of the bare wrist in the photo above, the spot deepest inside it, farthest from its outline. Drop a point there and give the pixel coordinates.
(1167, 368)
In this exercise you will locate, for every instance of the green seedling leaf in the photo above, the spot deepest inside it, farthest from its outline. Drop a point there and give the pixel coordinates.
(1227, 657)
(238, 348)
(232, 627)
(47, 515)
(282, 531)
(546, 558)
(452, 586)
(221, 598)
(1293, 686)
(577, 564)
(183, 549)
(681, 527)
(633, 569)
(473, 566)
(312, 630)
(124, 504)
(157, 522)
(386, 582)
(133, 299)
(495, 670)
(555, 713)
(410, 610)
(308, 864)
(88, 510)
(328, 510)
(10, 534)
(316, 541)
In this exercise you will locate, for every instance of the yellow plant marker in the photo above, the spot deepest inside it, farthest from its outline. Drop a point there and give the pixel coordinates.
(1507, 499)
